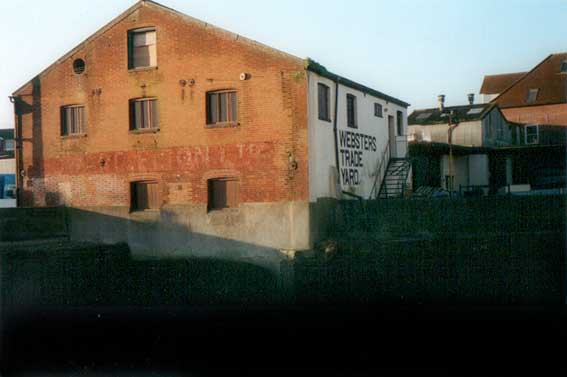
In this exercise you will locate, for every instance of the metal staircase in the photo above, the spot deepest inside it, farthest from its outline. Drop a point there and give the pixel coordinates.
(394, 183)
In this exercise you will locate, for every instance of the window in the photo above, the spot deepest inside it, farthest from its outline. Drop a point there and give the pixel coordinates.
(79, 66)
(378, 110)
(222, 107)
(143, 114)
(9, 145)
(351, 111)
(400, 123)
(531, 97)
(145, 196)
(72, 120)
(142, 48)
(564, 66)
(223, 193)
(532, 135)
(324, 103)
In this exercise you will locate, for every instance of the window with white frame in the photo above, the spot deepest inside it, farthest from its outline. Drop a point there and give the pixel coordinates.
(532, 135)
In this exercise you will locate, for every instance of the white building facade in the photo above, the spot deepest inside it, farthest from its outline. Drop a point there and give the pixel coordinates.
(354, 132)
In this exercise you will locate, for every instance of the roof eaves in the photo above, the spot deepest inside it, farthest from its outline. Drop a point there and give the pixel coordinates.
(319, 69)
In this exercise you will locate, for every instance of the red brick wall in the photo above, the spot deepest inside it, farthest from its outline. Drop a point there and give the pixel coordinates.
(184, 153)
(547, 114)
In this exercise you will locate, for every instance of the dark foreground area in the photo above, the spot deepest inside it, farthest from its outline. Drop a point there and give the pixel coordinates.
(89, 310)
(356, 341)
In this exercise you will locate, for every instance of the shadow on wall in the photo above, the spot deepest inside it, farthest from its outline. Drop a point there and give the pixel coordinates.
(169, 233)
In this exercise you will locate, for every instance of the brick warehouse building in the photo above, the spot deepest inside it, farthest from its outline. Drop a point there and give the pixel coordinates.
(184, 139)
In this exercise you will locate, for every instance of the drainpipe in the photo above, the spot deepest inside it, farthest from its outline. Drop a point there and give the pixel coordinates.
(335, 131)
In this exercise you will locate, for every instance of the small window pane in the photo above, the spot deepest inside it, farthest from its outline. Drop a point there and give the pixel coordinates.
(531, 97)
(143, 114)
(222, 107)
(143, 52)
(323, 101)
(378, 110)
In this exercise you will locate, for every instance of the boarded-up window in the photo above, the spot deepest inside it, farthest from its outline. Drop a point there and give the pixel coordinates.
(400, 123)
(72, 120)
(351, 111)
(142, 50)
(323, 93)
(143, 114)
(222, 107)
(145, 196)
(223, 193)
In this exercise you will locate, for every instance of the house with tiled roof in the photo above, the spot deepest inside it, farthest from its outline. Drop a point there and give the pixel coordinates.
(537, 102)
(493, 85)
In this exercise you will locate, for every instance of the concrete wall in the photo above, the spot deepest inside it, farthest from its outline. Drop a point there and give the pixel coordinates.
(323, 179)
(256, 233)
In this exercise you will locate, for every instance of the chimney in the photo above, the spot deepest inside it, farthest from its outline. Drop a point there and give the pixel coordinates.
(471, 98)
(441, 100)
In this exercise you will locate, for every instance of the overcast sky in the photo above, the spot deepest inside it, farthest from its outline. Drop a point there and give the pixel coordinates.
(410, 49)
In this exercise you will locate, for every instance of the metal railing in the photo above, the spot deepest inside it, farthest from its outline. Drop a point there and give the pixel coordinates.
(380, 172)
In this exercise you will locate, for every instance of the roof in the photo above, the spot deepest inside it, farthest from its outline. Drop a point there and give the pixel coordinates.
(309, 64)
(7, 134)
(317, 68)
(466, 113)
(496, 84)
(546, 77)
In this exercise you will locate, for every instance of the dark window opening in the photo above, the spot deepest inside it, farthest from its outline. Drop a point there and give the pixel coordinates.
(145, 196)
(564, 66)
(222, 107)
(142, 51)
(72, 120)
(143, 114)
(351, 111)
(400, 123)
(378, 110)
(324, 102)
(79, 66)
(222, 193)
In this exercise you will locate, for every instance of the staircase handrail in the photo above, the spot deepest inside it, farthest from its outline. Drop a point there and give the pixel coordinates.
(379, 172)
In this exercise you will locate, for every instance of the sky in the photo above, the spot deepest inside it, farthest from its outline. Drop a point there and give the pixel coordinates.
(409, 49)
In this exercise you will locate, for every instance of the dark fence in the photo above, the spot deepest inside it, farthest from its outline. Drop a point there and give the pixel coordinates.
(523, 269)
(499, 250)
(425, 218)
(25, 224)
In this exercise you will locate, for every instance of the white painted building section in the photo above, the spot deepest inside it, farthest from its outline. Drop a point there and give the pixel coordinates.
(469, 170)
(361, 150)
